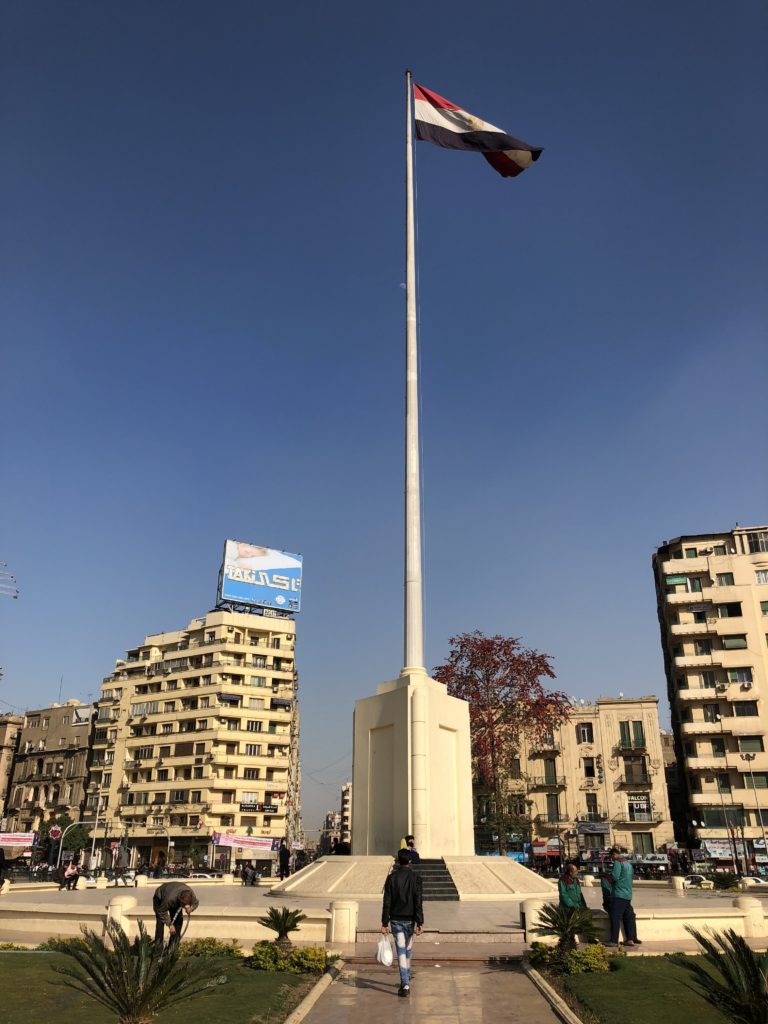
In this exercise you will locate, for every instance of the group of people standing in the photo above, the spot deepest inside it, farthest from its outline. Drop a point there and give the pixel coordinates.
(616, 879)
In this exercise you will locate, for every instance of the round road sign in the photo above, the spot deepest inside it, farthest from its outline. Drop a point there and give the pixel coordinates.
(54, 832)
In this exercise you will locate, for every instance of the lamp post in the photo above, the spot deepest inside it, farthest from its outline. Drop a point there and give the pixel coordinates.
(74, 824)
(749, 758)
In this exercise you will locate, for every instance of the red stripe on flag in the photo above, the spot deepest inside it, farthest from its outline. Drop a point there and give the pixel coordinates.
(420, 93)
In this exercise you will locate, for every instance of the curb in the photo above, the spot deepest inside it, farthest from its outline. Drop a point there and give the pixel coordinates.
(309, 1000)
(560, 1007)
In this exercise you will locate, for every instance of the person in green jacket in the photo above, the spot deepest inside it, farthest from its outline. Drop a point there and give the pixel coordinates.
(569, 888)
(621, 912)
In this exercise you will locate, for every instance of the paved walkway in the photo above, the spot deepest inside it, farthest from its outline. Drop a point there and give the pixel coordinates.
(439, 995)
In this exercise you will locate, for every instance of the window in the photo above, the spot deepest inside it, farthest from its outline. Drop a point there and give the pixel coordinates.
(745, 708)
(196, 796)
(259, 660)
(275, 642)
(764, 607)
(702, 648)
(253, 726)
(164, 752)
(143, 752)
(642, 842)
(751, 744)
(228, 796)
(593, 842)
(255, 703)
(258, 680)
(202, 723)
(584, 732)
(553, 807)
(252, 749)
(550, 771)
(682, 682)
(199, 748)
(718, 748)
(197, 773)
(251, 773)
(589, 767)
(757, 542)
(711, 712)
(591, 803)
(162, 775)
(756, 780)
(691, 552)
(694, 584)
(205, 702)
(708, 679)
(725, 579)
(723, 782)
(169, 705)
(735, 642)
(632, 734)
(731, 610)
(167, 728)
(719, 549)
(699, 616)
(178, 796)
(739, 675)
(227, 819)
(761, 575)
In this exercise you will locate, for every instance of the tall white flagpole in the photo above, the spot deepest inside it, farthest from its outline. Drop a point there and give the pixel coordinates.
(413, 612)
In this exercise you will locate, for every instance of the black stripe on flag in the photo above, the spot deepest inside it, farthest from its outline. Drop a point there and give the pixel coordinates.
(476, 142)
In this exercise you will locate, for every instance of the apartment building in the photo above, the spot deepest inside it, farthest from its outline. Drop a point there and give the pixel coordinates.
(345, 825)
(51, 765)
(196, 742)
(712, 595)
(598, 781)
(10, 733)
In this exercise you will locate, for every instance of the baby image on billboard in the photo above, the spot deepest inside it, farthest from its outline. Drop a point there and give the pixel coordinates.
(261, 576)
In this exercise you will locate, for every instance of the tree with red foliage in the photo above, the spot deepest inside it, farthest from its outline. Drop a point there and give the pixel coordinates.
(502, 682)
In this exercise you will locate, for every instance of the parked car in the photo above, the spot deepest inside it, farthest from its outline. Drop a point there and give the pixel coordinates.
(698, 882)
(753, 880)
(202, 874)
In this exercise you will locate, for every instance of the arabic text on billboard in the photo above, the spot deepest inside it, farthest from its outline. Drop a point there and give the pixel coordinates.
(261, 576)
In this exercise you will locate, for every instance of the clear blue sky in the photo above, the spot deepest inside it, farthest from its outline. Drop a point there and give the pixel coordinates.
(202, 326)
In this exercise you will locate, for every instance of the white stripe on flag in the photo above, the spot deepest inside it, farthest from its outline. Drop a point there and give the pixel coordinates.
(458, 121)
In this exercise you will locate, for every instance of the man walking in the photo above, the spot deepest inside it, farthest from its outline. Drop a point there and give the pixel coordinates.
(284, 860)
(120, 865)
(170, 902)
(620, 910)
(403, 913)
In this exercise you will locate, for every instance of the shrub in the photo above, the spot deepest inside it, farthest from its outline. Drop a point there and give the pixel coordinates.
(590, 960)
(541, 954)
(13, 945)
(734, 978)
(566, 923)
(725, 881)
(266, 956)
(61, 944)
(282, 921)
(308, 960)
(208, 947)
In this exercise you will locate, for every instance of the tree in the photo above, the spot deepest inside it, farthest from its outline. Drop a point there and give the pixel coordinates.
(508, 703)
(733, 977)
(283, 922)
(568, 924)
(76, 839)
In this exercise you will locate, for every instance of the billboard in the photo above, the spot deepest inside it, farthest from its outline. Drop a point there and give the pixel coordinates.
(260, 576)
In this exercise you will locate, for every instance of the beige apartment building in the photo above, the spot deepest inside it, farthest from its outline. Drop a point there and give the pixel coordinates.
(10, 730)
(598, 781)
(196, 743)
(345, 825)
(712, 593)
(51, 766)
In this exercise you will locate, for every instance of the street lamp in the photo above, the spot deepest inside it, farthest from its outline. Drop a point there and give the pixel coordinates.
(749, 758)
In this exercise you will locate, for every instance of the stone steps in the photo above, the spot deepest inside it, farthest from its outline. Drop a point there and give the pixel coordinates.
(436, 880)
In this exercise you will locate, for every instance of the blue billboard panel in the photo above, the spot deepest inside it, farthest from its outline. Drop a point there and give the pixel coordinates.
(261, 576)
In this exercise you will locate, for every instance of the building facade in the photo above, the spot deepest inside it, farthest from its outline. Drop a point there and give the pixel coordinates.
(196, 743)
(712, 596)
(51, 766)
(345, 825)
(598, 781)
(10, 734)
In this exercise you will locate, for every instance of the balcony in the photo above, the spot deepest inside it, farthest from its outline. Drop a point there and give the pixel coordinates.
(539, 748)
(634, 779)
(700, 729)
(708, 763)
(638, 817)
(592, 816)
(547, 782)
(631, 746)
(694, 628)
(713, 660)
(551, 821)
(698, 693)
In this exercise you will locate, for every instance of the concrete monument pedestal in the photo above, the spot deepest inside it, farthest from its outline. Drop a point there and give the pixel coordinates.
(411, 770)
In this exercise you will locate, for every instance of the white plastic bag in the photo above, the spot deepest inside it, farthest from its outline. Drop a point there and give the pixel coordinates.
(384, 952)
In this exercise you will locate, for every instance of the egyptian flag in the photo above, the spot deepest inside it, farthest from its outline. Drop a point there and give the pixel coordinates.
(443, 123)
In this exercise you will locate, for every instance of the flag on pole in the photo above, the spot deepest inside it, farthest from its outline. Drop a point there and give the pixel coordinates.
(443, 123)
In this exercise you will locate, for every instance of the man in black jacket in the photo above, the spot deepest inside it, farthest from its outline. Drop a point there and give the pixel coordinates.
(403, 913)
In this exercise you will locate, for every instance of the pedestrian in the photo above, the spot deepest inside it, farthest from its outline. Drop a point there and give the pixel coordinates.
(402, 913)
(120, 865)
(170, 901)
(67, 876)
(248, 874)
(284, 859)
(606, 886)
(569, 888)
(410, 845)
(621, 913)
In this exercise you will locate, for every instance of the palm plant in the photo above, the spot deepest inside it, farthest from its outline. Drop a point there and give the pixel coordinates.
(283, 922)
(132, 979)
(733, 978)
(566, 923)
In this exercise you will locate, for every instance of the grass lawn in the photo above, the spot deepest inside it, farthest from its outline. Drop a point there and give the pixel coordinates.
(31, 995)
(642, 990)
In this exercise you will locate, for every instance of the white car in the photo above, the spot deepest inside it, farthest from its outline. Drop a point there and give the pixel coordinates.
(698, 882)
(751, 880)
(201, 874)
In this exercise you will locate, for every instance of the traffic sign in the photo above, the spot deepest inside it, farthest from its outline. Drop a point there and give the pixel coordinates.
(54, 832)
